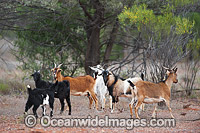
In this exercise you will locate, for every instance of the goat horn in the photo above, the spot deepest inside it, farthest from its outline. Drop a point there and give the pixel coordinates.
(174, 67)
(54, 65)
(99, 67)
(59, 65)
(166, 68)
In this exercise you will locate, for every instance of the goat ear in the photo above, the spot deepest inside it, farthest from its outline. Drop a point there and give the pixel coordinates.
(56, 83)
(109, 73)
(168, 72)
(92, 68)
(98, 66)
(59, 70)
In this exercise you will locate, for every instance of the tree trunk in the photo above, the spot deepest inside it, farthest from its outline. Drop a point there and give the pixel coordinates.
(110, 43)
(93, 50)
(93, 27)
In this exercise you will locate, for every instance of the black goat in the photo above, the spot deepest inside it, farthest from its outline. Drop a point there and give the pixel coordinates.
(39, 97)
(39, 83)
(62, 93)
(62, 90)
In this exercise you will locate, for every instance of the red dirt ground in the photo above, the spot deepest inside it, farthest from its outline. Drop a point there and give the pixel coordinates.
(186, 112)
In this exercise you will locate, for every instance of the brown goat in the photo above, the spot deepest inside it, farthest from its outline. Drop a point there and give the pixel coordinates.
(79, 86)
(148, 92)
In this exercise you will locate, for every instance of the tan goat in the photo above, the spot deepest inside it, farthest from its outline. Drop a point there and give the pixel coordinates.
(148, 92)
(79, 86)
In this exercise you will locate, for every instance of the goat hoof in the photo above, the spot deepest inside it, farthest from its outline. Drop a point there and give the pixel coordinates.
(69, 113)
(61, 112)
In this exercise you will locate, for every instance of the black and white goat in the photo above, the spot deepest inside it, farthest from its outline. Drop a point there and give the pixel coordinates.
(100, 87)
(40, 97)
(62, 90)
(118, 87)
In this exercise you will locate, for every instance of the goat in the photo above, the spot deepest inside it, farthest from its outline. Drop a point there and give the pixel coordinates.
(148, 92)
(100, 87)
(63, 90)
(41, 97)
(118, 87)
(39, 83)
(79, 86)
(62, 93)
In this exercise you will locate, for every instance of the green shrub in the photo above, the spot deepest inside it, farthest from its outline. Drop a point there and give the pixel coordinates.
(4, 89)
(11, 87)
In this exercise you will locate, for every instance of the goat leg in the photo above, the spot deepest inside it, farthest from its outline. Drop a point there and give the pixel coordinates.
(94, 98)
(69, 104)
(62, 105)
(170, 110)
(103, 101)
(131, 105)
(51, 113)
(90, 101)
(27, 107)
(44, 110)
(110, 100)
(154, 114)
(136, 108)
(35, 110)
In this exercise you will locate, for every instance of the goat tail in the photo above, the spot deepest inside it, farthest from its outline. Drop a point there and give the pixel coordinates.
(29, 89)
(142, 76)
(131, 84)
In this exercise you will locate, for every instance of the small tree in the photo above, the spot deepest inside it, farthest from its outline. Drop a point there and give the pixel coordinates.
(161, 40)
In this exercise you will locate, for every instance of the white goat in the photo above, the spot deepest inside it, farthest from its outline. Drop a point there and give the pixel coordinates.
(100, 88)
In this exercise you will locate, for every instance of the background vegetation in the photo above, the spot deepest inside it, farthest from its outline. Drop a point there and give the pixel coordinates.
(129, 36)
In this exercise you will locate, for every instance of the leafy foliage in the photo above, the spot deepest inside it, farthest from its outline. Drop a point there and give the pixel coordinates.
(140, 16)
(163, 35)
(47, 41)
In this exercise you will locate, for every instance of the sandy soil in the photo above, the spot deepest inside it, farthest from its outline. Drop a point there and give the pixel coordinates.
(186, 112)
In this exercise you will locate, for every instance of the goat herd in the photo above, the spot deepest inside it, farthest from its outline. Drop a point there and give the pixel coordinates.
(104, 82)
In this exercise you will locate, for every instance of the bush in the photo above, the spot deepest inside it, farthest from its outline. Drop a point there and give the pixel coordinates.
(11, 87)
(4, 89)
